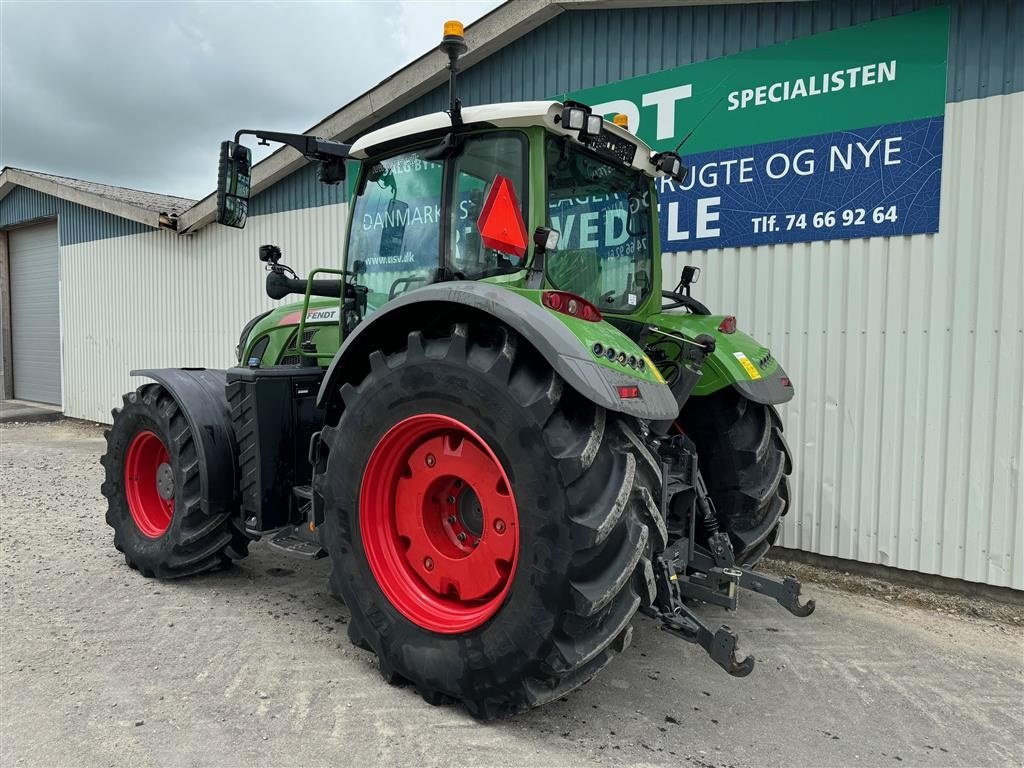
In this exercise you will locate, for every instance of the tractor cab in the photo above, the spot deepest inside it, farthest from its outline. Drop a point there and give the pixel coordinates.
(512, 196)
(529, 195)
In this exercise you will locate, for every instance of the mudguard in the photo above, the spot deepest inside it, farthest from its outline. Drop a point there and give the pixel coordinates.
(562, 349)
(201, 394)
(739, 360)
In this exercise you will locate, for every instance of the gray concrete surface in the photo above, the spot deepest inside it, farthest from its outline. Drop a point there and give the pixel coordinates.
(23, 411)
(101, 667)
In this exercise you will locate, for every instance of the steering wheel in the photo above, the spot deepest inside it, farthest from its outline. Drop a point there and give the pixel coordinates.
(679, 300)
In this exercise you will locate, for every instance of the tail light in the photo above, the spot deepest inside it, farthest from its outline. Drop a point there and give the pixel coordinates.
(572, 305)
(728, 324)
(629, 393)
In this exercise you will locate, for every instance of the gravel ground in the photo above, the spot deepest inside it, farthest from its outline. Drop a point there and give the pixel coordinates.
(100, 666)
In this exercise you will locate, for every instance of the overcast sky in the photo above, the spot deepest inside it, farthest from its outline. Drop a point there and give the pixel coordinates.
(141, 94)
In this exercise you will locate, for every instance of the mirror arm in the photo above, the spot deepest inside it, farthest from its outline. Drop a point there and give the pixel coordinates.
(310, 146)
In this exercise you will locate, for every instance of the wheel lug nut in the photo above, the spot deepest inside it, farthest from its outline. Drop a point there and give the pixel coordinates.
(499, 526)
(458, 483)
(462, 537)
(431, 461)
(451, 520)
(428, 563)
(450, 499)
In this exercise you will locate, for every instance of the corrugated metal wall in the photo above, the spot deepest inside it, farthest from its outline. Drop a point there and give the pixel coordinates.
(159, 299)
(908, 358)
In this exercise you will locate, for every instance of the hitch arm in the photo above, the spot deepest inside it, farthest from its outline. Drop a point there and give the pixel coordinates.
(720, 644)
(786, 592)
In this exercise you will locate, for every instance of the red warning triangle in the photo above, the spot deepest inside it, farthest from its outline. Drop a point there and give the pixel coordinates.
(501, 219)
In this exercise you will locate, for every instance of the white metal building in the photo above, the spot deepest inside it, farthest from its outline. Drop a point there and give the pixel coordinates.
(907, 351)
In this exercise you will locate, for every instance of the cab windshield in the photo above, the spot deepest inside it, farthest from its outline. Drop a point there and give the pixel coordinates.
(602, 212)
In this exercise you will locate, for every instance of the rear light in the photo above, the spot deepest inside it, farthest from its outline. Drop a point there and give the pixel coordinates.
(786, 382)
(572, 305)
(629, 393)
(728, 324)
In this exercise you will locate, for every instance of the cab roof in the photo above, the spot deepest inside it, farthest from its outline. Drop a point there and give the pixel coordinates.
(516, 114)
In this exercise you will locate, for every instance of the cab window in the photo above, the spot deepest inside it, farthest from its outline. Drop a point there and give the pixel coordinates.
(395, 232)
(487, 224)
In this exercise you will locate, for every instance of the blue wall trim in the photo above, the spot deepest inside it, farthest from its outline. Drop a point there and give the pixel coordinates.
(75, 223)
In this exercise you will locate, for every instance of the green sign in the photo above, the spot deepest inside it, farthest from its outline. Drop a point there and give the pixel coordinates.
(831, 136)
(886, 71)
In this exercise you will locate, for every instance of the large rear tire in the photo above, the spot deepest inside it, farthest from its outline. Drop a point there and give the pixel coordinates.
(154, 492)
(526, 592)
(745, 463)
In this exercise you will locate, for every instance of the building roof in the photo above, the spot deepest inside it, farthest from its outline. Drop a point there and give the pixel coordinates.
(150, 208)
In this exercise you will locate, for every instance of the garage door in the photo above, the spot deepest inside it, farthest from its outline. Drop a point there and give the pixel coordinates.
(35, 313)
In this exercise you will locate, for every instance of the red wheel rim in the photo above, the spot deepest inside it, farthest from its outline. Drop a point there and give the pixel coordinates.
(439, 523)
(149, 484)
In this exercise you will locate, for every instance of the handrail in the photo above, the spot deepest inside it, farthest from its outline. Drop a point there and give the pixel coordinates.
(320, 357)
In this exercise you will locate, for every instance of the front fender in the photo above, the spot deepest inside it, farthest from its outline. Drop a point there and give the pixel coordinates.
(569, 353)
(739, 360)
(201, 395)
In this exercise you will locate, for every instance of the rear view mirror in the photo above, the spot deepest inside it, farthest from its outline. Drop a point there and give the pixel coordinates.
(233, 183)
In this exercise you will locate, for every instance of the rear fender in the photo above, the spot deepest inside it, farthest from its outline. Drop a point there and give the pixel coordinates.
(200, 393)
(739, 360)
(567, 354)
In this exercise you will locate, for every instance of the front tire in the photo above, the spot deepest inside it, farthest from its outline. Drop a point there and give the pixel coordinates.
(154, 492)
(561, 506)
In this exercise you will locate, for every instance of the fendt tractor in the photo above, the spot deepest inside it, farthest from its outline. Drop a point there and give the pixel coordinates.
(504, 434)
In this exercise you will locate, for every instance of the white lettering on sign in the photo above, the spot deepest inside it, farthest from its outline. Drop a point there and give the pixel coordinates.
(664, 103)
(814, 85)
(665, 100)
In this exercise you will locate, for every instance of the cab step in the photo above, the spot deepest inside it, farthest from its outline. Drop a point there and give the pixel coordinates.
(297, 542)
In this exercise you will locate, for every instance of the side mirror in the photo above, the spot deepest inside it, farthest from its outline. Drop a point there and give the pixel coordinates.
(233, 183)
(689, 276)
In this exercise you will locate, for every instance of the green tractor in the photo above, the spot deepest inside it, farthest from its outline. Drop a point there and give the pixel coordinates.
(505, 435)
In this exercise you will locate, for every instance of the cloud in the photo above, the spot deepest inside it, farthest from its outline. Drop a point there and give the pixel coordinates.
(141, 94)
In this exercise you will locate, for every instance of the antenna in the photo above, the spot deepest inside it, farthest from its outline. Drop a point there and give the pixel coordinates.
(707, 114)
(454, 45)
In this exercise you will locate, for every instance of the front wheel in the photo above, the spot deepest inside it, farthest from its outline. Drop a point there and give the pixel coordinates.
(488, 529)
(745, 463)
(154, 490)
